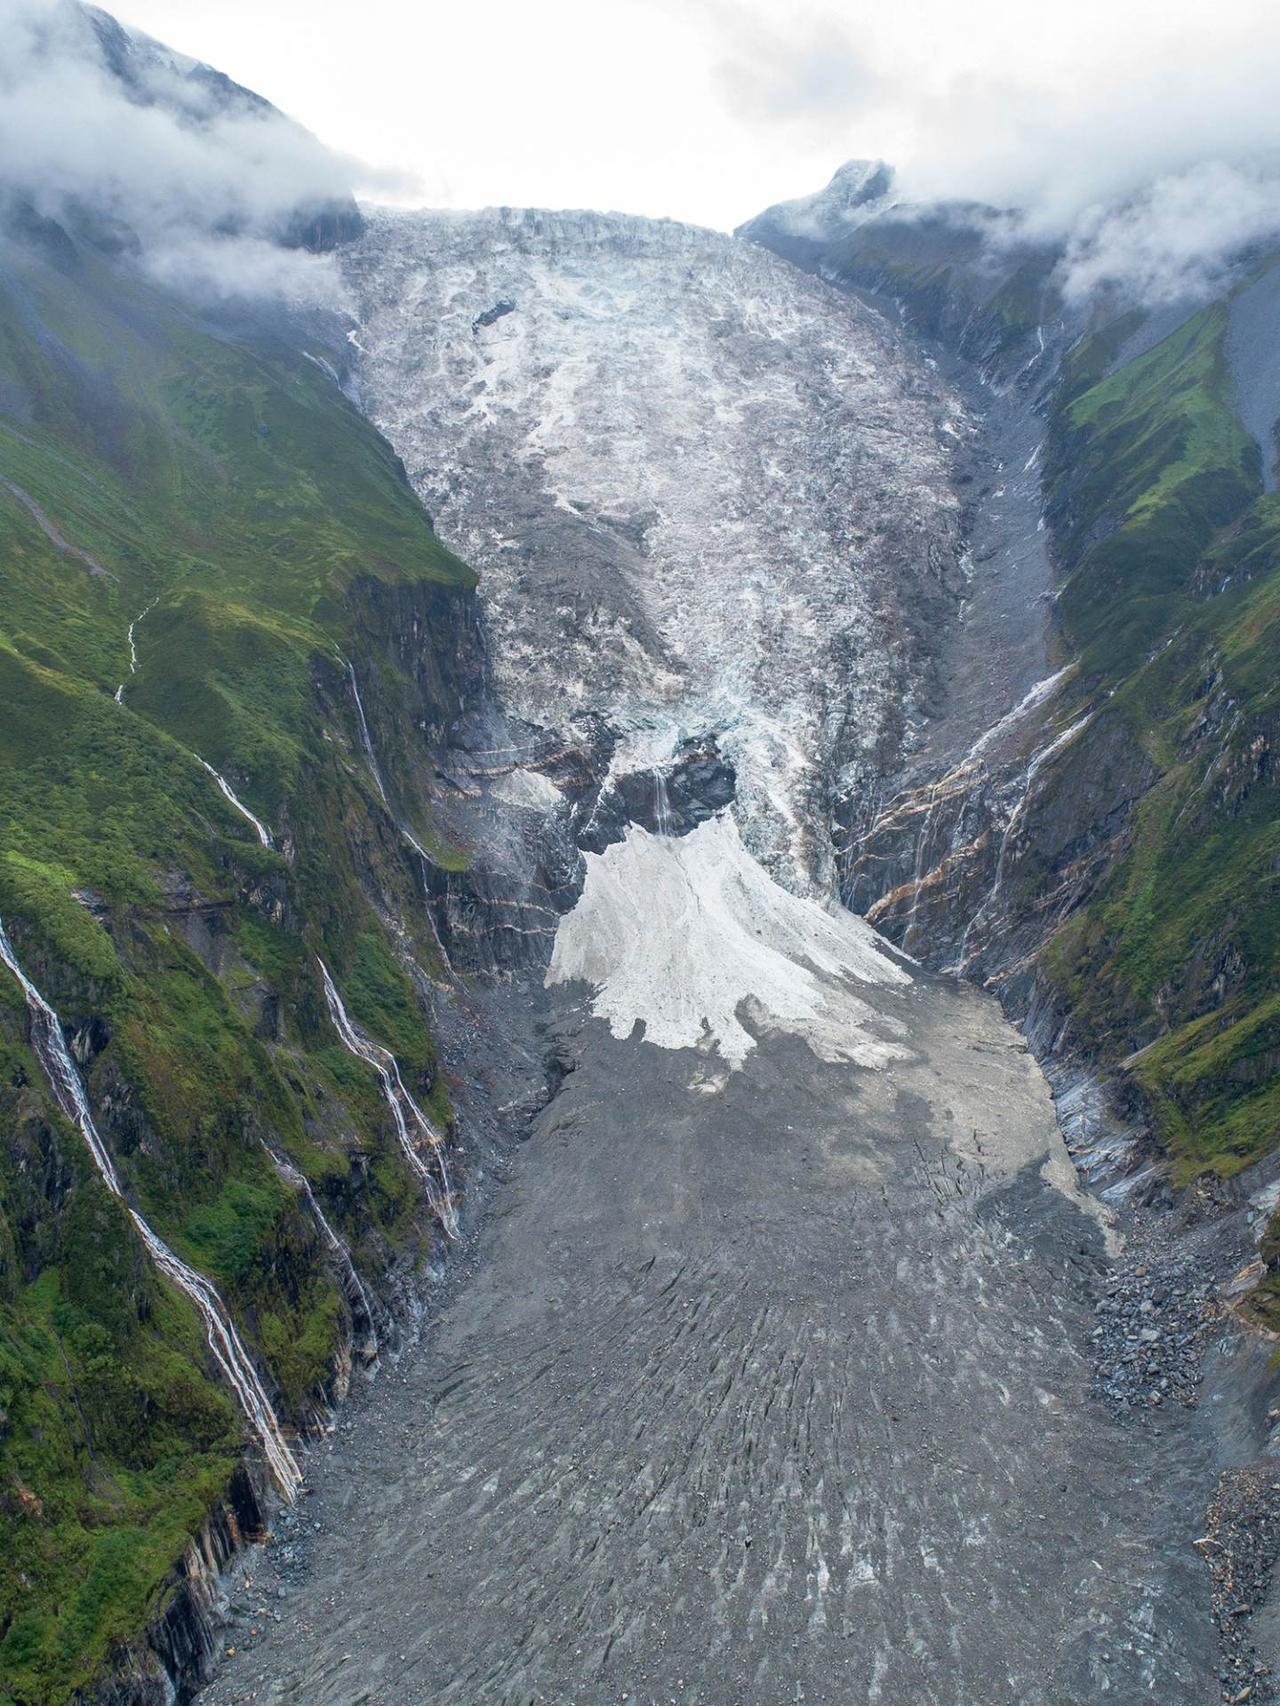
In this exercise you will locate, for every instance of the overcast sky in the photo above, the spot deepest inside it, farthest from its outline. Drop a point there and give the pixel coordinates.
(707, 110)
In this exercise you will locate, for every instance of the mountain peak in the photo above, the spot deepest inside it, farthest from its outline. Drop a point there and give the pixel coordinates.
(858, 191)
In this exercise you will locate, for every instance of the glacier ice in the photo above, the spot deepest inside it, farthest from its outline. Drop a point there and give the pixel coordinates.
(702, 489)
(686, 933)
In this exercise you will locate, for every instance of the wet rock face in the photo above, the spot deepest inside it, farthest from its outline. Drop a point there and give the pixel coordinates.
(183, 1639)
(527, 806)
(707, 496)
(670, 799)
(971, 867)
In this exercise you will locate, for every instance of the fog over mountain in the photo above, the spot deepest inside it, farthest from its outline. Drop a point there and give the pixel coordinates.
(214, 189)
(1145, 142)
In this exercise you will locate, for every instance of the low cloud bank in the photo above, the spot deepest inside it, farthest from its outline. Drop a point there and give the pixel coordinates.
(1176, 238)
(209, 184)
(1143, 139)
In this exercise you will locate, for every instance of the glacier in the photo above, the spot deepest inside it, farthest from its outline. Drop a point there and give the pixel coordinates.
(702, 491)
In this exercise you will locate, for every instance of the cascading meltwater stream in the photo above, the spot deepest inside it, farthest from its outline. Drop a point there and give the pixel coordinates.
(1037, 762)
(404, 1109)
(133, 648)
(224, 1341)
(661, 803)
(365, 738)
(228, 793)
(355, 1287)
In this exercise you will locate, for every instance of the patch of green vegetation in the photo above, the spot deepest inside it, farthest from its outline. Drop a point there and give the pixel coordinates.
(1090, 358)
(379, 995)
(1146, 466)
(113, 1443)
(224, 1236)
(1169, 967)
(35, 888)
(1215, 1089)
(220, 491)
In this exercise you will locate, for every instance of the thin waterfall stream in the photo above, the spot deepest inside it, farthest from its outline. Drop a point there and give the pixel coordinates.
(229, 794)
(133, 648)
(224, 1341)
(661, 803)
(366, 740)
(405, 1111)
(354, 1286)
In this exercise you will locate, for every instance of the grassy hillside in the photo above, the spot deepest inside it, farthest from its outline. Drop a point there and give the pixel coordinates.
(1144, 876)
(1173, 604)
(223, 485)
(1148, 464)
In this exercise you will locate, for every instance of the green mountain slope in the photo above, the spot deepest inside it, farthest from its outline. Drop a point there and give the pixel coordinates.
(1131, 904)
(223, 486)
(1172, 601)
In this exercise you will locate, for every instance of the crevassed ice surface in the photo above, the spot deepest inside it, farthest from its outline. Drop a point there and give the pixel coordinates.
(700, 487)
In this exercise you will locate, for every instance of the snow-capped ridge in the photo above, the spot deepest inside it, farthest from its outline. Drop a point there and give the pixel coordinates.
(858, 191)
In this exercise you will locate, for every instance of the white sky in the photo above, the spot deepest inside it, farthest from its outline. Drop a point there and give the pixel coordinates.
(709, 110)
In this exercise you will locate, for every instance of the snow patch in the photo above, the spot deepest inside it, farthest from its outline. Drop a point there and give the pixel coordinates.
(688, 934)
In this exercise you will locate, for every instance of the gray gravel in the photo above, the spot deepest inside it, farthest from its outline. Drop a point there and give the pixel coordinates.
(1154, 1320)
(781, 1394)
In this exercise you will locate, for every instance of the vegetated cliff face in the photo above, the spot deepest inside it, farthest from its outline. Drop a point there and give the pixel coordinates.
(989, 301)
(205, 551)
(1107, 855)
(710, 500)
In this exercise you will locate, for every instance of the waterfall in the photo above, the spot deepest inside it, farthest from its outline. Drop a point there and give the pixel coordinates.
(1033, 769)
(224, 1341)
(661, 804)
(133, 648)
(326, 367)
(365, 738)
(263, 833)
(421, 851)
(918, 875)
(356, 1293)
(954, 786)
(405, 1111)
(371, 758)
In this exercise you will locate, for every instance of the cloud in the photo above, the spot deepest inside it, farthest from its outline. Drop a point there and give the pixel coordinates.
(1176, 237)
(192, 168)
(803, 70)
(1143, 136)
(231, 269)
(1152, 173)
